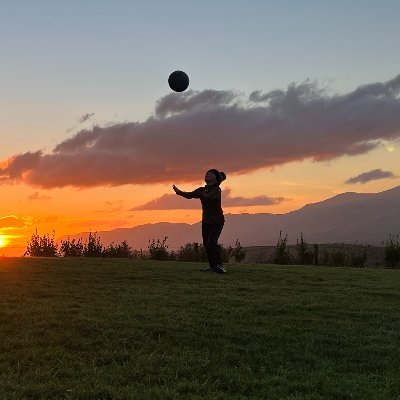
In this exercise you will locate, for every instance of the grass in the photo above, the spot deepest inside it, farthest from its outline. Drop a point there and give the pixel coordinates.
(122, 329)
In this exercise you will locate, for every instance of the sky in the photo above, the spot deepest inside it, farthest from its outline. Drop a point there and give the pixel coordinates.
(296, 101)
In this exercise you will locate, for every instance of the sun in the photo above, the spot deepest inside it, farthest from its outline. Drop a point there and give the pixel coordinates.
(2, 241)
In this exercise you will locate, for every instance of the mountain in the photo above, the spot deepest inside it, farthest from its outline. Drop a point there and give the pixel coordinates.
(347, 217)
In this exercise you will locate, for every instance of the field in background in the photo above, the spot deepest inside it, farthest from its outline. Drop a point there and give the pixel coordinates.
(264, 254)
(123, 329)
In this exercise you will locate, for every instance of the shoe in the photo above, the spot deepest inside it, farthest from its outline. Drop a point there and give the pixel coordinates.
(220, 269)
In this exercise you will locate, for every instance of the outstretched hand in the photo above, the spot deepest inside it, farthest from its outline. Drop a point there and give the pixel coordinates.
(177, 191)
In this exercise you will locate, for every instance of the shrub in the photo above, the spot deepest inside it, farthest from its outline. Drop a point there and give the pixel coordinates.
(334, 257)
(122, 250)
(392, 252)
(159, 250)
(93, 247)
(239, 252)
(42, 246)
(316, 254)
(226, 253)
(354, 256)
(304, 255)
(357, 257)
(282, 253)
(190, 252)
(71, 248)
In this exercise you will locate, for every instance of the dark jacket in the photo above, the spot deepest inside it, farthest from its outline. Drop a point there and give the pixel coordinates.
(210, 197)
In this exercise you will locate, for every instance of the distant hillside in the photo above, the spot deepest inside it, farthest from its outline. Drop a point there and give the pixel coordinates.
(348, 217)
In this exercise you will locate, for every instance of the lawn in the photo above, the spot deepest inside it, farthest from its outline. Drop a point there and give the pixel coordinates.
(124, 329)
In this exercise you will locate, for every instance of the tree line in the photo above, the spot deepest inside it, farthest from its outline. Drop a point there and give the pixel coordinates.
(306, 254)
(46, 246)
(353, 256)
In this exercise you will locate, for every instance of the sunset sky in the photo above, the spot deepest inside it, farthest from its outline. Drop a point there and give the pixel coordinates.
(296, 101)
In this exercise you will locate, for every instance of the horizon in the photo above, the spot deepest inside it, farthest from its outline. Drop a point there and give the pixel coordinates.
(115, 238)
(294, 106)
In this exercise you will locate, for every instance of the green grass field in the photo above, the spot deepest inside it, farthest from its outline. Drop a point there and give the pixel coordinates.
(123, 329)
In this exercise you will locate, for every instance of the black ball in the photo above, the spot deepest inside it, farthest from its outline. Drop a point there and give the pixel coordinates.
(178, 81)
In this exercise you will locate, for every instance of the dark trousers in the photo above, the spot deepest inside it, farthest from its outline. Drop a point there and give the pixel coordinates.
(211, 233)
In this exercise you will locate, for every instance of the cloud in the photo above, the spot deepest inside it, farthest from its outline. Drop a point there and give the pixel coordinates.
(11, 221)
(98, 222)
(373, 175)
(37, 196)
(193, 131)
(192, 100)
(85, 117)
(80, 121)
(112, 207)
(174, 202)
(41, 219)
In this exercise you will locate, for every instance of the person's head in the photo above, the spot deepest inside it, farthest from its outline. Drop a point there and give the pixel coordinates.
(213, 176)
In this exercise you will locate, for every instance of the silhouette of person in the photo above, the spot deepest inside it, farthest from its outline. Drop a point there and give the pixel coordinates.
(212, 217)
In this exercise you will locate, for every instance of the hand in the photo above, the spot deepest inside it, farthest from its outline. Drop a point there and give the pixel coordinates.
(177, 191)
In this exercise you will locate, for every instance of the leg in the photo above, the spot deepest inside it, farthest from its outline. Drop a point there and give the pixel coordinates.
(205, 231)
(214, 251)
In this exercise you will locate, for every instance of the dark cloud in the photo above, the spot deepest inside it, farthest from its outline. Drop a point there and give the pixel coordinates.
(11, 221)
(194, 131)
(239, 201)
(174, 202)
(373, 175)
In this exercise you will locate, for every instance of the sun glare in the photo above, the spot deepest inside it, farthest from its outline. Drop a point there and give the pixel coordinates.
(2, 241)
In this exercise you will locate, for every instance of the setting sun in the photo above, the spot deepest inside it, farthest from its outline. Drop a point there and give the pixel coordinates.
(2, 241)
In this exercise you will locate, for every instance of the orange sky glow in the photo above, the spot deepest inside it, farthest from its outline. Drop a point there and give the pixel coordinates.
(69, 210)
(93, 137)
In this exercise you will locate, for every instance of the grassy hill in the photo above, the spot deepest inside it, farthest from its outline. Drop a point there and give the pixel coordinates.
(123, 329)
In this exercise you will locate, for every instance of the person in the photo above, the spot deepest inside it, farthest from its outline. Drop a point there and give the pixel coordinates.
(212, 216)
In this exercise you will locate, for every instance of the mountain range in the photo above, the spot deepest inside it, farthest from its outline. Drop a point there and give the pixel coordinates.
(345, 218)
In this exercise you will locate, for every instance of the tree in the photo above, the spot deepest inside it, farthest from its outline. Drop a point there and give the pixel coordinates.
(305, 256)
(189, 252)
(392, 252)
(93, 247)
(159, 250)
(282, 254)
(226, 253)
(122, 250)
(239, 252)
(42, 246)
(71, 248)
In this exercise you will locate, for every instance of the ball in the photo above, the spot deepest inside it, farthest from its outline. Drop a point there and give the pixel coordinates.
(178, 81)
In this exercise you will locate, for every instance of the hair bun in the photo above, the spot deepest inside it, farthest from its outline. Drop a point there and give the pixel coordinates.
(223, 175)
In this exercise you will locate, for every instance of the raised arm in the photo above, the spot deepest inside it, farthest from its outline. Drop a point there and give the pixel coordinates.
(187, 195)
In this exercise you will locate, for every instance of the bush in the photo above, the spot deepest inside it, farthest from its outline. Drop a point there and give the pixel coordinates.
(304, 255)
(316, 254)
(357, 256)
(352, 257)
(334, 257)
(42, 246)
(239, 252)
(93, 247)
(159, 250)
(122, 250)
(71, 248)
(192, 252)
(392, 252)
(226, 253)
(282, 253)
